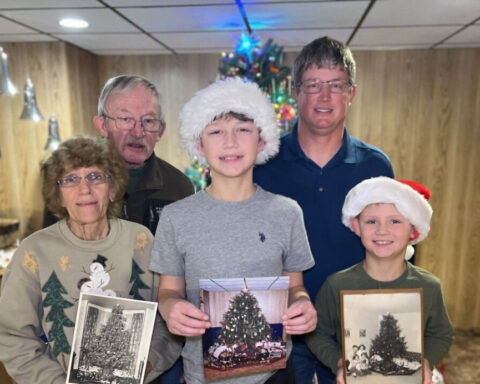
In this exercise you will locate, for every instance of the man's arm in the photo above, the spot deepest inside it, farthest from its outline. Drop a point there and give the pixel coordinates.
(182, 317)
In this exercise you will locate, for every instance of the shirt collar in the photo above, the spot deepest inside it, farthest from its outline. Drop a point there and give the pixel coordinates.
(346, 153)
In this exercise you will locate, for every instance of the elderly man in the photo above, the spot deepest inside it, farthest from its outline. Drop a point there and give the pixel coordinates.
(318, 163)
(130, 115)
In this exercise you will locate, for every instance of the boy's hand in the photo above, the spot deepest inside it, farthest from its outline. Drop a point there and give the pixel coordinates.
(182, 317)
(340, 379)
(186, 319)
(427, 373)
(300, 318)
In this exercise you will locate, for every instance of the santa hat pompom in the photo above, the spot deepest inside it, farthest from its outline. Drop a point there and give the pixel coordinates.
(224, 96)
(409, 197)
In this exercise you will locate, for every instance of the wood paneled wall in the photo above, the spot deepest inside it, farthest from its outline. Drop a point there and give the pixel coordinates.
(66, 84)
(422, 107)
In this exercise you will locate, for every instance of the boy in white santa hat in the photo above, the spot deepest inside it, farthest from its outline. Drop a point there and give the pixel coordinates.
(389, 216)
(233, 228)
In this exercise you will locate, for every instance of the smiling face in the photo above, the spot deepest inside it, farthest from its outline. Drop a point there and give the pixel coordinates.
(135, 145)
(86, 204)
(323, 113)
(230, 146)
(384, 231)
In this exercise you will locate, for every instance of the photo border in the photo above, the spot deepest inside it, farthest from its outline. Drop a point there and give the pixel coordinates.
(386, 292)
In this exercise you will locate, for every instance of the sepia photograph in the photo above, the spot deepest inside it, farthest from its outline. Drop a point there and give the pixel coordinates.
(247, 334)
(382, 336)
(111, 340)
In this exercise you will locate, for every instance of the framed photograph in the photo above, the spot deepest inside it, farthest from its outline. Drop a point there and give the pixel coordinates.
(247, 334)
(111, 340)
(385, 342)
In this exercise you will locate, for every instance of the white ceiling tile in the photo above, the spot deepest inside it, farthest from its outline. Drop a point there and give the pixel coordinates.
(422, 12)
(7, 26)
(163, 3)
(401, 36)
(294, 40)
(308, 15)
(30, 4)
(468, 35)
(175, 19)
(25, 38)
(100, 20)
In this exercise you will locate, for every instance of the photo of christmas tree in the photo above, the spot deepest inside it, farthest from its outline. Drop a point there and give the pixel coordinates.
(247, 334)
(386, 342)
(111, 340)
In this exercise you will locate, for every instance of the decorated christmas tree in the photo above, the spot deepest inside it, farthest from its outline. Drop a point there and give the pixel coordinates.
(389, 343)
(244, 323)
(110, 349)
(264, 66)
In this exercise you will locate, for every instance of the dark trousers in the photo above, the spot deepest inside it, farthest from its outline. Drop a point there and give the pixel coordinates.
(283, 376)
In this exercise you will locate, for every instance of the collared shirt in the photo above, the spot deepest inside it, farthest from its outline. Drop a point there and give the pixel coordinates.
(321, 191)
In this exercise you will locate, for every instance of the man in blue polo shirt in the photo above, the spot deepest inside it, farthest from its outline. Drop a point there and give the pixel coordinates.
(318, 163)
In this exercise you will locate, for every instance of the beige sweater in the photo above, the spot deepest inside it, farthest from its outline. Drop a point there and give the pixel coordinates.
(42, 285)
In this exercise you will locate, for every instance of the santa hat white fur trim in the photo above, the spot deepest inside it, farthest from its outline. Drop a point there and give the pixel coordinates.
(223, 96)
(407, 200)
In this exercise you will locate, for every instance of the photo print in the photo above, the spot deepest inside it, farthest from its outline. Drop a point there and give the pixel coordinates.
(247, 334)
(111, 340)
(386, 342)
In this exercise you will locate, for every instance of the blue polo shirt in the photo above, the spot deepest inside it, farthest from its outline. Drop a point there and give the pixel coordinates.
(320, 191)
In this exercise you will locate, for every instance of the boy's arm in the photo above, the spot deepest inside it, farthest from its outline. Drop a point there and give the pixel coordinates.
(438, 329)
(301, 316)
(322, 341)
(182, 317)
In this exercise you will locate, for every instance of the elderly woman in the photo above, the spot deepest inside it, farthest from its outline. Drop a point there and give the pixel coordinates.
(88, 250)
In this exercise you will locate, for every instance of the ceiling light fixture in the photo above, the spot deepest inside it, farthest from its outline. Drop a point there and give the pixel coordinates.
(73, 23)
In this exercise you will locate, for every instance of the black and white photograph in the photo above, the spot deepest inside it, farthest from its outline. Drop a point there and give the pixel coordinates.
(111, 340)
(385, 345)
(247, 334)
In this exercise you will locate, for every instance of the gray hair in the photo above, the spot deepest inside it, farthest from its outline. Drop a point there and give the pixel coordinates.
(324, 52)
(124, 83)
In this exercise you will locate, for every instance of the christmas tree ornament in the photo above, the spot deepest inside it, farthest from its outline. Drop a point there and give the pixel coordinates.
(53, 140)
(30, 108)
(6, 85)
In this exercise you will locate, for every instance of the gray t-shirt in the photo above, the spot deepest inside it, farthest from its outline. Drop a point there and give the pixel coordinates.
(200, 237)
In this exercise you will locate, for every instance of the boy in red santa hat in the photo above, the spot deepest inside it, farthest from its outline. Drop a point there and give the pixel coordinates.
(389, 216)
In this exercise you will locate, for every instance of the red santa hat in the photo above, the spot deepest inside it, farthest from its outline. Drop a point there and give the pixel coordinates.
(409, 197)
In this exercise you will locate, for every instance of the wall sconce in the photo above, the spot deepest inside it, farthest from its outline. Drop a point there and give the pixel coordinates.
(30, 108)
(6, 85)
(53, 140)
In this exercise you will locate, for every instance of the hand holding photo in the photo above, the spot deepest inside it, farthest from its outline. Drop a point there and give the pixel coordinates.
(247, 334)
(382, 336)
(111, 340)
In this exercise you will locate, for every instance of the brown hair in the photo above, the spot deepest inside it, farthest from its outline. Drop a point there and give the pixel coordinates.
(79, 152)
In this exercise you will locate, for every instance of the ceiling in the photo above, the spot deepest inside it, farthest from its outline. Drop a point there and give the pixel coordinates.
(132, 27)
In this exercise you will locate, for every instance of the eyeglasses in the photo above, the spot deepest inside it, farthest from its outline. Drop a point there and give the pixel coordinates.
(93, 178)
(149, 124)
(316, 85)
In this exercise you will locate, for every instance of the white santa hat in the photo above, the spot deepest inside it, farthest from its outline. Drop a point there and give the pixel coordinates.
(221, 97)
(409, 197)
